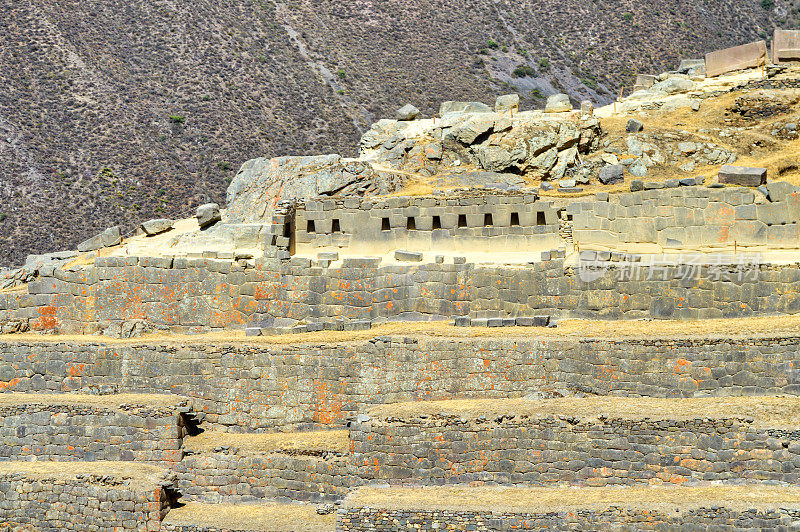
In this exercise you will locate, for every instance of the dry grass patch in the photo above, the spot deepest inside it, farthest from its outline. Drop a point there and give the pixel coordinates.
(573, 328)
(141, 475)
(767, 412)
(541, 500)
(108, 401)
(286, 442)
(273, 517)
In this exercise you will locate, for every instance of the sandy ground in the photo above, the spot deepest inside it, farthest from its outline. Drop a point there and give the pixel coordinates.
(540, 500)
(271, 517)
(291, 442)
(767, 412)
(108, 401)
(141, 475)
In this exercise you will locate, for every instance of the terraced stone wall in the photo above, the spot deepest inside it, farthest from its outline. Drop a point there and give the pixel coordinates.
(80, 503)
(377, 520)
(234, 476)
(259, 386)
(196, 295)
(66, 432)
(690, 217)
(515, 449)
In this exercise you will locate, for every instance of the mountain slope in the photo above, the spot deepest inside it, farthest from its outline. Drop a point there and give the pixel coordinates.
(117, 111)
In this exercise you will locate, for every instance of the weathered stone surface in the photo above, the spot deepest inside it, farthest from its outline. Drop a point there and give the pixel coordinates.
(262, 183)
(672, 86)
(468, 131)
(558, 103)
(407, 112)
(408, 256)
(742, 175)
(507, 102)
(785, 46)
(463, 107)
(612, 174)
(109, 237)
(158, 226)
(587, 107)
(208, 214)
(749, 55)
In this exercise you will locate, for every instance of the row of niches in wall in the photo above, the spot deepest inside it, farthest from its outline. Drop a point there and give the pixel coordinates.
(432, 223)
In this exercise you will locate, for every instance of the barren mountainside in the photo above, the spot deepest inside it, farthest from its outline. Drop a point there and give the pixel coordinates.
(113, 112)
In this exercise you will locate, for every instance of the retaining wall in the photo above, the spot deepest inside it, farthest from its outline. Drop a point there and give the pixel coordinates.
(514, 449)
(372, 520)
(80, 503)
(688, 218)
(262, 386)
(68, 432)
(196, 295)
(231, 476)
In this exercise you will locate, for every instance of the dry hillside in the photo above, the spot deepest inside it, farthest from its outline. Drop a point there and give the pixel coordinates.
(116, 111)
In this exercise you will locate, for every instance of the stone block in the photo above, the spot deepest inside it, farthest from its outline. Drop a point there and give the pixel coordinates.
(750, 55)
(634, 126)
(157, 226)
(558, 103)
(407, 256)
(743, 175)
(207, 214)
(612, 174)
(507, 102)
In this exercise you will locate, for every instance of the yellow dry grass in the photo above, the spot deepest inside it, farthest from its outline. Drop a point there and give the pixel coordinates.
(107, 401)
(286, 442)
(767, 412)
(270, 517)
(142, 476)
(540, 500)
(669, 329)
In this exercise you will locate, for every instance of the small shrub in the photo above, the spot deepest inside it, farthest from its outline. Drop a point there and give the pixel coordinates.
(590, 82)
(492, 44)
(483, 51)
(341, 73)
(628, 16)
(3, 216)
(224, 166)
(340, 91)
(536, 93)
(544, 64)
(523, 71)
(177, 119)
(505, 49)
(767, 4)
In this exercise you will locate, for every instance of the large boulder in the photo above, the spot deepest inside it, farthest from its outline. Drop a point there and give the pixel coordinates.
(407, 112)
(472, 128)
(261, 183)
(156, 227)
(207, 214)
(558, 103)
(109, 237)
(612, 174)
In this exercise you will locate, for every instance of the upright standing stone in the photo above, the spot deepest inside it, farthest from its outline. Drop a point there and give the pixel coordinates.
(507, 102)
(558, 103)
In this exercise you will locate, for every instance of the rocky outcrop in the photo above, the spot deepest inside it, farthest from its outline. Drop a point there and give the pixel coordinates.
(262, 183)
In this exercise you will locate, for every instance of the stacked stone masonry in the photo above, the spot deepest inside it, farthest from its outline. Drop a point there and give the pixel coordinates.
(688, 218)
(85, 502)
(377, 520)
(236, 476)
(517, 450)
(504, 223)
(69, 432)
(195, 295)
(259, 387)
